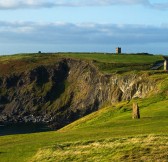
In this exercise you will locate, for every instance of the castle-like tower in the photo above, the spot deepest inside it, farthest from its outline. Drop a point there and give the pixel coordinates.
(118, 50)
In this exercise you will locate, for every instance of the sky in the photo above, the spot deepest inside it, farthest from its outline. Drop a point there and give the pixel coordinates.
(83, 26)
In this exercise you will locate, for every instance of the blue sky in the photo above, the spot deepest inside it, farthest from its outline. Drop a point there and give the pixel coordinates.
(83, 26)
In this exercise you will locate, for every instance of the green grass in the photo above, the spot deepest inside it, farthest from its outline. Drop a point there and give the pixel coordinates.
(109, 134)
(143, 148)
(113, 58)
(110, 126)
(112, 63)
(100, 57)
(108, 63)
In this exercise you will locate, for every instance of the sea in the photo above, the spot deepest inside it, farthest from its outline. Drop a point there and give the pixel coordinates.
(22, 128)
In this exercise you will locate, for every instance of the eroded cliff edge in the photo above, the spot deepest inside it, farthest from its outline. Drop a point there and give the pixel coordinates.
(65, 91)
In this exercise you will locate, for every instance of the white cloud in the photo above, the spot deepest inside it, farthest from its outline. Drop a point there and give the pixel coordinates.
(161, 6)
(68, 33)
(18, 4)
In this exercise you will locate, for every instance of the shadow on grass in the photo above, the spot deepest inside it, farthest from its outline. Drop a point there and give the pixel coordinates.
(2, 152)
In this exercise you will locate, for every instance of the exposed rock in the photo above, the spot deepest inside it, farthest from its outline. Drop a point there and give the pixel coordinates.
(11, 81)
(61, 93)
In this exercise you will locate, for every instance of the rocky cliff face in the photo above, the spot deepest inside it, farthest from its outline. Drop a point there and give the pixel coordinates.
(61, 93)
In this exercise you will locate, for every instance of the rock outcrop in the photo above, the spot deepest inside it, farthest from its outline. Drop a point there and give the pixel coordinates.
(61, 93)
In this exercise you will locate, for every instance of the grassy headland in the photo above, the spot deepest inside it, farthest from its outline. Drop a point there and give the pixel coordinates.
(108, 63)
(109, 134)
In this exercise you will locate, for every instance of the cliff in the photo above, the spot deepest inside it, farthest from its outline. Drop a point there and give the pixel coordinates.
(62, 92)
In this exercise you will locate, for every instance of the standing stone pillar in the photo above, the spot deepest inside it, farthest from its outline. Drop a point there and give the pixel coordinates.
(135, 111)
(166, 65)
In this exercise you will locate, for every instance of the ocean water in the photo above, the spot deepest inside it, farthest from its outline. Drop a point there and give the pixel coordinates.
(22, 128)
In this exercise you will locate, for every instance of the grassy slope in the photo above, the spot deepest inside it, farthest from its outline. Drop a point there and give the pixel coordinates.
(105, 63)
(108, 58)
(111, 126)
(113, 58)
(109, 134)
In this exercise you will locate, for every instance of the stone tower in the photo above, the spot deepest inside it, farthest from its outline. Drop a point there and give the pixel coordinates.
(118, 50)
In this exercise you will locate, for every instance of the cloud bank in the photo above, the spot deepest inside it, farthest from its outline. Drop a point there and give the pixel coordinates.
(91, 33)
(20, 4)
